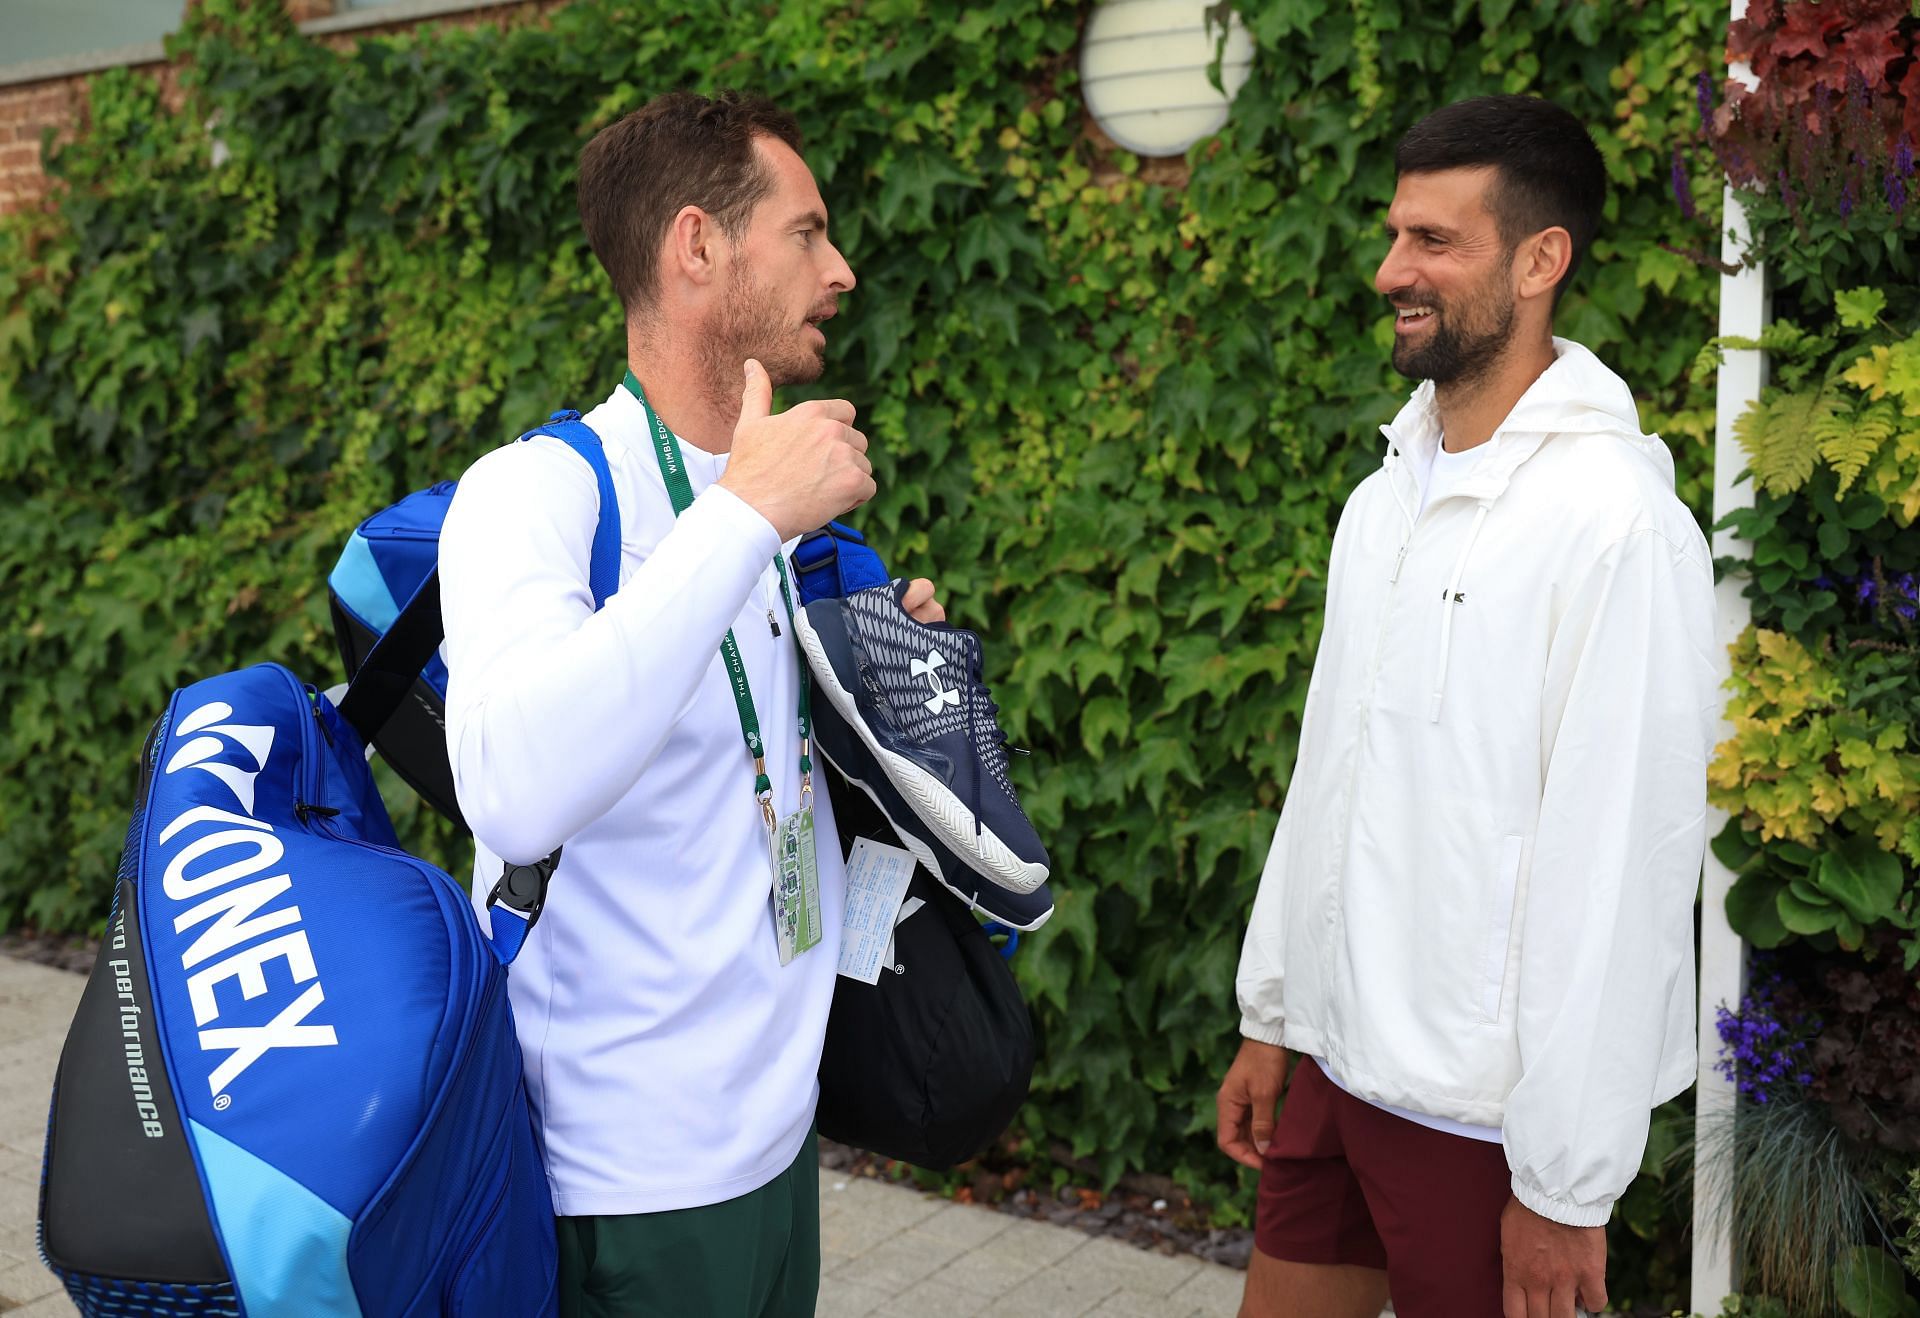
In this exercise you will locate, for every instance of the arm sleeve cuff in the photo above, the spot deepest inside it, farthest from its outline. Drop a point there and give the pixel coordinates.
(1263, 1033)
(729, 510)
(1563, 1211)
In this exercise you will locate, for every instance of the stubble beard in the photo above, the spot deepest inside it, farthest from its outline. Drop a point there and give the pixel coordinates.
(1466, 343)
(750, 323)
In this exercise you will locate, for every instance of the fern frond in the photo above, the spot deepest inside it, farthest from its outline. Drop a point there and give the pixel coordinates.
(1779, 435)
(1849, 440)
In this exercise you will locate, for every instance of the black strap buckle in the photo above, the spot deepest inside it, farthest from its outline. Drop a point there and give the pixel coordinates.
(524, 887)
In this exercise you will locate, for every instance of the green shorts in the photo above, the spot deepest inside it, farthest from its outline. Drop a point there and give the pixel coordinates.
(757, 1256)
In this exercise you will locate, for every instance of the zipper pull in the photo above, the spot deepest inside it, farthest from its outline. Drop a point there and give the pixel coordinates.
(772, 626)
(1398, 560)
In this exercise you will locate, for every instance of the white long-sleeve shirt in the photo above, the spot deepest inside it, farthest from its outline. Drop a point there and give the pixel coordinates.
(1478, 904)
(670, 1057)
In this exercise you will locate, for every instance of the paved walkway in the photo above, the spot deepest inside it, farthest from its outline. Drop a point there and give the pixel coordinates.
(888, 1251)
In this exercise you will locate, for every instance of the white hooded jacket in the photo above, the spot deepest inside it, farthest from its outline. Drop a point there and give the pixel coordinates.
(1478, 904)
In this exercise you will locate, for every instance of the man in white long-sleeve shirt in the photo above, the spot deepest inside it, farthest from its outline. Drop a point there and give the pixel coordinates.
(1474, 931)
(671, 1034)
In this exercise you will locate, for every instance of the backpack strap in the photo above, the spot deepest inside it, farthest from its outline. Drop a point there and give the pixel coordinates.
(835, 561)
(394, 664)
(520, 894)
(603, 565)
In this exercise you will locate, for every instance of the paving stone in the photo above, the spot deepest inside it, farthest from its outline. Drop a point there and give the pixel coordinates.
(930, 1299)
(24, 1282)
(52, 1306)
(1132, 1304)
(840, 1298)
(1212, 1291)
(1052, 1294)
(964, 1225)
(900, 1262)
(1013, 1255)
(894, 1206)
(1129, 1268)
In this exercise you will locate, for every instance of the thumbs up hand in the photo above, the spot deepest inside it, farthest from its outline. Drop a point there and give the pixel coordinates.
(801, 468)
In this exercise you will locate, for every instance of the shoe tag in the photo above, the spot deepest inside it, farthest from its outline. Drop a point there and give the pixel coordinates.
(796, 886)
(877, 878)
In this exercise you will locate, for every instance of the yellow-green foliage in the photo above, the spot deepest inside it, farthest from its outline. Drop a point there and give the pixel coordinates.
(1890, 377)
(1868, 432)
(1800, 761)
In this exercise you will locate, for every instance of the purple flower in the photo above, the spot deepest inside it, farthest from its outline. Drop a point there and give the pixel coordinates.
(1682, 186)
(1903, 157)
(1896, 194)
(1703, 95)
(1867, 590)
(1846, 199)
(1762, 1055)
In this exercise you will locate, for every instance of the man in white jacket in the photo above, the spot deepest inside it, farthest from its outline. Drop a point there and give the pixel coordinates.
(1474, 931)
(671, 1038)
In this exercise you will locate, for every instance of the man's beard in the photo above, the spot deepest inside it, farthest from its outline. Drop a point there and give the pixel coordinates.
(1465, 342)
(751, 323)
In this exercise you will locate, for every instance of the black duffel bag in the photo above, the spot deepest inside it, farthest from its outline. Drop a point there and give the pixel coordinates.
(929, 1065)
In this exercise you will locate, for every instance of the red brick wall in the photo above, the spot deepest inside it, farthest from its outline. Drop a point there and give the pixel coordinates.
(28, 109)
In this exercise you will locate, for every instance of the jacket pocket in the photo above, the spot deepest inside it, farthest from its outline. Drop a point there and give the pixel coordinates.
(1493, 970)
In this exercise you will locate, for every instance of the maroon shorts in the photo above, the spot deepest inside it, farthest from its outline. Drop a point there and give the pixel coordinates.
(1345, 1182)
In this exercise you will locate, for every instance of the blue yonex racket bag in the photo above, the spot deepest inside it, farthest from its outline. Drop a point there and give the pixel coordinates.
(292, 1087)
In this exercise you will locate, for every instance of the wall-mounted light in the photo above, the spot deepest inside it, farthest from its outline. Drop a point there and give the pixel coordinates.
(1143, 71)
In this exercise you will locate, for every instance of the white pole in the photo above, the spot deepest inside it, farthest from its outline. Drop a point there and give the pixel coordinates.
(1744, 312)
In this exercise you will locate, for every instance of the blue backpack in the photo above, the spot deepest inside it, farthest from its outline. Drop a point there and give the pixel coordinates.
(292, 1087)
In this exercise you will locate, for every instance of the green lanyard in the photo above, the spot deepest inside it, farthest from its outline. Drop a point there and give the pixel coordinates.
(680, 490)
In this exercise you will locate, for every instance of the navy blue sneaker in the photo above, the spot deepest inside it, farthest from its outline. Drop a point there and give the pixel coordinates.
(910, 694)
(843, 748)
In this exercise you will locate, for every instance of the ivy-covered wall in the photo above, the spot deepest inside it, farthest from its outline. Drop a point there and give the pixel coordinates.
(1115, 409)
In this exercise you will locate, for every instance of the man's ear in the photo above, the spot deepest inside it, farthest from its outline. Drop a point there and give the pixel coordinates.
(1542, 261)
(693, 250)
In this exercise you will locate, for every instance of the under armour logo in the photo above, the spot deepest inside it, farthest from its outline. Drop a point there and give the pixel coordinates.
(943, 696)
(255, 739)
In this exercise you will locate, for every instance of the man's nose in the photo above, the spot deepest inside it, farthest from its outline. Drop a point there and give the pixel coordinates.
(1394, 272)
(839, 274)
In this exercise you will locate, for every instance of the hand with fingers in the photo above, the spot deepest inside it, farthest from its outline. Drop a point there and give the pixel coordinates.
(1552, 1270)
(800, 468)
(920, 602)
(1247, 1100)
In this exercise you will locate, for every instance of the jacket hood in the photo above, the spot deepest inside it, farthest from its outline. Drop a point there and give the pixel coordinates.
(1577, 394)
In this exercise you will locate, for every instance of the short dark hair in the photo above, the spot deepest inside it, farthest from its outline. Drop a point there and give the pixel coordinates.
(1550, 172)
(679, 149)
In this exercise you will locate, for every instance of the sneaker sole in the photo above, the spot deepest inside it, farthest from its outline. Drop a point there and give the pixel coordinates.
(1024, 912)
(848, 755)
(926, 796)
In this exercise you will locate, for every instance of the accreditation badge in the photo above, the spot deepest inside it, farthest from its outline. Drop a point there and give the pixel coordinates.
(796, 885)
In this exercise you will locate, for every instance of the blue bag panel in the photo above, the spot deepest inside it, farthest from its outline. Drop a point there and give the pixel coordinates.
(288, 1246)
(300, 974)
(509, 1267)
(477, 1175)
(386, 559)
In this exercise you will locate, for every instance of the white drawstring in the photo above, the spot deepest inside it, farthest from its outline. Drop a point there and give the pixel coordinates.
(1447, 602)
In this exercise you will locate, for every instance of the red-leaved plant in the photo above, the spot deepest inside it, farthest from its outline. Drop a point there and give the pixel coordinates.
(1835, 117)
